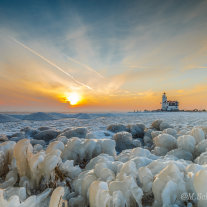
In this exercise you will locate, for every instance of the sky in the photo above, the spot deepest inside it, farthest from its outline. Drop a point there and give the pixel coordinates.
(112, 55)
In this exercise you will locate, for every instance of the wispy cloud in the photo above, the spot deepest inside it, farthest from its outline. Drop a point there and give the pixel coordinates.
(51, 63)
(85, 66)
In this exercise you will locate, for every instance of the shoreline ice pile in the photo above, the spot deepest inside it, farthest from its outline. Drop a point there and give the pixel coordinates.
(112, 160)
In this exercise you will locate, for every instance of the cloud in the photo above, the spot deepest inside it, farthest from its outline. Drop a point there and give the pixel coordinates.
(128, 56)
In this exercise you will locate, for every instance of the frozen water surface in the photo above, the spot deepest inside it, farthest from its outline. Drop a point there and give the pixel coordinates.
(97, 123)
(103, 160)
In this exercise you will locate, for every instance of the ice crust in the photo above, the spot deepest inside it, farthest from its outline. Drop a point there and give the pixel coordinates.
(149, 164)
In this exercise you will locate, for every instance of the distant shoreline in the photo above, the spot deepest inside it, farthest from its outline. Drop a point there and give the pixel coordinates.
(148, 111)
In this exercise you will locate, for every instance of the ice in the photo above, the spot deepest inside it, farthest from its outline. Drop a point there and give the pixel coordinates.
(77, 202)
(164, 126)
(37, 148)
(56, 199)
(186, 142)
(124, 141)
(201, 147)
(80, 149)
(140, 162)
(6, 153)
(77, 132)
(204, 128)
(32, 201)
(170, 131)
(181, 154)
(131, 192)
(21, 151)
(99, 194)
(202, 159)
(156, 124)
(39, 116)
(146, 179)
(6, 118)
(137, 130)
(200, 185)
(117, 128)
(3, 138)
(198, 134)
(168, 182)
(165, 141)
(47, 135)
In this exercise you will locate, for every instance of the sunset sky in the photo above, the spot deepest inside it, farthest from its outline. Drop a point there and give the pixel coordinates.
(116, 55)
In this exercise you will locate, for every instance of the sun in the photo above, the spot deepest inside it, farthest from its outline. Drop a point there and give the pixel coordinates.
(74, 98)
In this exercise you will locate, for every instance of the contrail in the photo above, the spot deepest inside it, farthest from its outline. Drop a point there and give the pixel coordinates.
(51, 63)
(86, 66)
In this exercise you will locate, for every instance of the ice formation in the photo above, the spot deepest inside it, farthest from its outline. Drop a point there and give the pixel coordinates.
(186, 142)
(137, 165)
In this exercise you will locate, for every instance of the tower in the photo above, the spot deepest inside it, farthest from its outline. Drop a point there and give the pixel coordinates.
(164, 102)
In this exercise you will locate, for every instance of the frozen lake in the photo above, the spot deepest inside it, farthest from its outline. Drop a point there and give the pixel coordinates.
(141, 159)
(97, 123)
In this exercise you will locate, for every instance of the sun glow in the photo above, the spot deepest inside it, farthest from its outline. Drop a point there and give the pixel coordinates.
(74, 98)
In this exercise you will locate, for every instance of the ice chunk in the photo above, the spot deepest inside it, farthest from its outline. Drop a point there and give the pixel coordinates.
(56, 199)
(75, 132)
(146, 179)
(63, 139)
(19, 191)
(85, 149)
(160, 151)
(169, 181)
(155, 133)
(137, 130)
(132, 194)
(169, 193)
(204, 128)
(170, 131)
(46, 135)
(117, 128)
(128, 169)
(78, 201)
(3, 138)
(103, 172)
(118, 199)
(68, 169)
(10, 180)
(164, 125)
(37, 148)
(141, 161)
(99, 194)
(6, 154)
(166, 141)
(181, 154)
(156, 124)
(99, 158)
(148, 140)
(56, 145)
(21, 150)
(198, 134)
(32, 201)
(123, 141)
(186, 142)
(35, 141)
(202, 159)
(200, 184)
(140, 152)
(201, 147)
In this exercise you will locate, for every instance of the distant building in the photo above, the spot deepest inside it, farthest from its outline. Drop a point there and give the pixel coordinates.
(169, 105)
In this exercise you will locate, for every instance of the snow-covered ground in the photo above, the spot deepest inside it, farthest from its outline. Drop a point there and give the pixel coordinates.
(103, 160)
